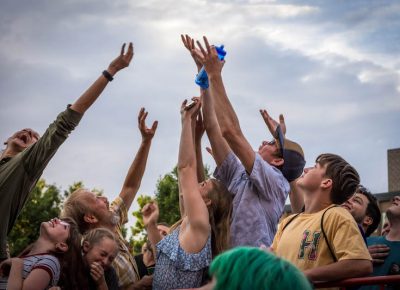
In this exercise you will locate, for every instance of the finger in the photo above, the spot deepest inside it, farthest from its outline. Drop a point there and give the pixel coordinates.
(201, 48)
(183, 40)
(281, 120)
(130, 51)
(192, 44)
(379, 255)
(377, 261)
(123, 49)
(207, 44)
(183, 104)
(154, 127)
(140, 114)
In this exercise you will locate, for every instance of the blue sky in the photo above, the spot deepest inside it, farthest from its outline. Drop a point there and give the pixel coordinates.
(331, 67)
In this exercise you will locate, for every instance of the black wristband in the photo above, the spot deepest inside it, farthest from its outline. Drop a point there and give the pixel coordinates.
(107, 75)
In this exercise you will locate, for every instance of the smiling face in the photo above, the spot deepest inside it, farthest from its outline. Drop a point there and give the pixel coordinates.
(55, 230)
(357, 206)
(21, 140)
(102, 252)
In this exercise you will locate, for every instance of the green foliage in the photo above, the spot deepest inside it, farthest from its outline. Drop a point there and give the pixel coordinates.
(139, 237)
(167, 196)
(43, 204)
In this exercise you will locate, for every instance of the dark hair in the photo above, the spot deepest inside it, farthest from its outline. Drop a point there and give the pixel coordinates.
(372, 211)
(72, 267)
(345, 178)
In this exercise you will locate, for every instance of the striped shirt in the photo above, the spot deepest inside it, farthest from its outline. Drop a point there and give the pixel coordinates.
(45, 262)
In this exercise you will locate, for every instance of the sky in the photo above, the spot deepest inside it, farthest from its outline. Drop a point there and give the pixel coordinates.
(331, 67)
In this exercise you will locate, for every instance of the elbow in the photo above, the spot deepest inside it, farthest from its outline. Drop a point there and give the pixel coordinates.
(231, 133)
(365, 268)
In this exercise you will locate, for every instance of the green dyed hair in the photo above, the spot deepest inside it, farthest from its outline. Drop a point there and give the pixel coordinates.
(245, 268)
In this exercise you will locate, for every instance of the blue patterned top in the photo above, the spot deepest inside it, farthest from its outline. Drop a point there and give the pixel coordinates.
(177, 269)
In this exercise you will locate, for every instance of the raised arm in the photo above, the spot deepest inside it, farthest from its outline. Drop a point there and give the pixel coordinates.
(150, 214)
(93, 92)
(227, 119)
(219, 146)
(196, 211)
(296, 195)
(135, 173)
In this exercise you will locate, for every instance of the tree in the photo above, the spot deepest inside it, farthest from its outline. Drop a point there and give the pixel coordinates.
(43, 204)
(139, 236)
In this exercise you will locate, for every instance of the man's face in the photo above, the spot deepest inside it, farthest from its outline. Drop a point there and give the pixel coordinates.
(99, 205)
(357, 206)
(394, 209)
(311, 178)
(21, 140)
(268, 150)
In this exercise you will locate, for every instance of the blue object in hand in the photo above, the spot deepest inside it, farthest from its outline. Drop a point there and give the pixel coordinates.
(202, 78)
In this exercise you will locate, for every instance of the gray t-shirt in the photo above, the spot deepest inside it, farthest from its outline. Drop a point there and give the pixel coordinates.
(258, 200)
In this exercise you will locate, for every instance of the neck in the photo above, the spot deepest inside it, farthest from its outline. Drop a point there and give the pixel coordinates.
(315, 202)
(394, 232)
(41, 246)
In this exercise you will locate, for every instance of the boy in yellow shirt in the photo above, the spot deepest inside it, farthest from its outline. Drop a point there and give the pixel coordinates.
(324, 240)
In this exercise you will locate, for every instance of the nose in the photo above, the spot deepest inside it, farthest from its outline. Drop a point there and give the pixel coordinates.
(306, 169)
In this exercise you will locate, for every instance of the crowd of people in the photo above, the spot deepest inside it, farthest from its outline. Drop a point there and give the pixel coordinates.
(230, 235)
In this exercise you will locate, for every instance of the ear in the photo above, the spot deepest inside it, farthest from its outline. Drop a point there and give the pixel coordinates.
(90, 218)
(62, 247)
(367, 221)
(85, 247)
(326, 183)
(207, 201)
(277, 162)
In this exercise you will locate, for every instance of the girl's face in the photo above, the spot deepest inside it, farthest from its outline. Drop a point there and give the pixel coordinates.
(55, 230)
(103, 252)
(148, 258)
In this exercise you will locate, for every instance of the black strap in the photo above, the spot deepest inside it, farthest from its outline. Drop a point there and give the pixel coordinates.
(324, 234)
(284, 227)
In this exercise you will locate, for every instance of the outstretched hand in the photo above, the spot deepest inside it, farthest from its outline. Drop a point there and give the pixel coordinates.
(150, 213)
(188, 42)
(190, 110)
(147, 133)
(272, 124)
(122, 61)
(209, 58)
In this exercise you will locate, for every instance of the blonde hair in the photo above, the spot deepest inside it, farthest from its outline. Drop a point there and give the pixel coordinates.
(94, 236)
(75, 208)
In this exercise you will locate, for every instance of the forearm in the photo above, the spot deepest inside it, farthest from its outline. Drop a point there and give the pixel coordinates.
(186, 157)
(296, 197)
(15, 277)
(153, 235)
(218, 144)
(135, 173)
(102, 285)
(90, 95)
(227, 119)
(199, 162)
(340, 270)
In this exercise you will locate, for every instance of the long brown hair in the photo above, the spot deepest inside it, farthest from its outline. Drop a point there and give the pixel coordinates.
(220, 212)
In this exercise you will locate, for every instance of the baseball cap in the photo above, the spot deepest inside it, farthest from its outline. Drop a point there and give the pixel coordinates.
(292, 154)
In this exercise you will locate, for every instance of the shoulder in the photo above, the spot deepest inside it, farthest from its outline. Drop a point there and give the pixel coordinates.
(337, 213)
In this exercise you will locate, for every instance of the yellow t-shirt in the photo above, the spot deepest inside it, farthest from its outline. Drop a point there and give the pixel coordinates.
(302, 241)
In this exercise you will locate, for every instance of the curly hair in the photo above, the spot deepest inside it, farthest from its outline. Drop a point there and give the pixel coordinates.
(345, 178)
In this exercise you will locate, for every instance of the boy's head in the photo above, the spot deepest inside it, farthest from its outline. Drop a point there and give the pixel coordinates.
(331, 172)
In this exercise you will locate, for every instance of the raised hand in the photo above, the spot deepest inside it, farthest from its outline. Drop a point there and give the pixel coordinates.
(150, 213)
(147, 133)
(122, 61)
(272, 124)
(188, 42)
(190, 110)
(209, 58)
